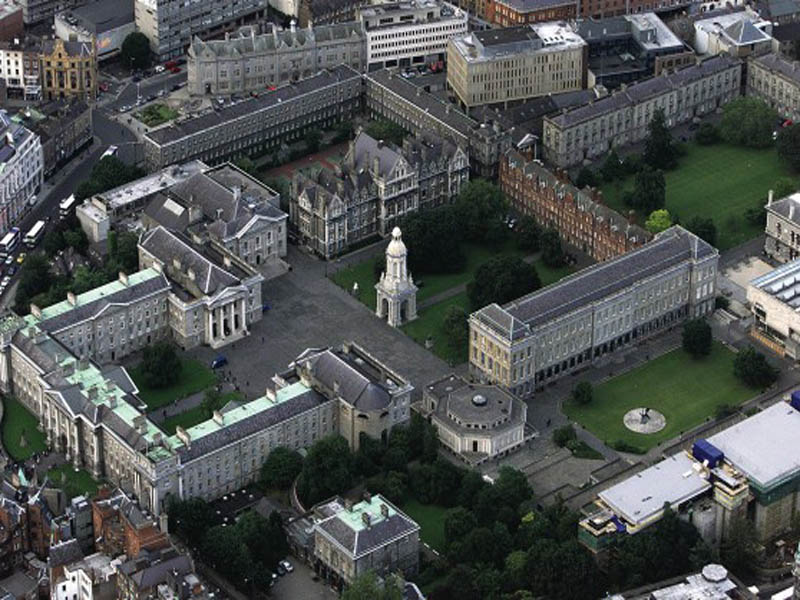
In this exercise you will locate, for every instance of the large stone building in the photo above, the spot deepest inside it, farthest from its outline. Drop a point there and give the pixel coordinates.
(64, 128)
(397, 99)
(406, 33)
(776, 80)
(370, 536)
(375, 185)
(502, 66)
(250, 61)
(743, 471)
(475, 422)
(258, 125)
(782, 241)
(579, 216)
(171, 26)
(68, 70)
(549, 333)
(621, 118)
(21, 170)
(773, 299)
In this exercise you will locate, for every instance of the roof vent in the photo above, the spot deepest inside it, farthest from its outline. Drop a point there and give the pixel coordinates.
(479, 400)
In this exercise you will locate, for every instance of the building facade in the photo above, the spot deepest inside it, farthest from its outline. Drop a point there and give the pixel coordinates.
(502, 66)
(68, 70)
(410, 32)
(510, 13)
(372, 535)
(375, 186)
(171, 26)
(782, 241)
(773, 301)
(105, 23)
(776, 80)
(395, 98)
(250, 61)
(37, 11)
(258, 124)
(621, 118)
(21, 170)
(549, 333)
(579, 216)
(19, 68)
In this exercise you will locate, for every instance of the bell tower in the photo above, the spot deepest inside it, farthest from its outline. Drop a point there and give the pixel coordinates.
(397, 294)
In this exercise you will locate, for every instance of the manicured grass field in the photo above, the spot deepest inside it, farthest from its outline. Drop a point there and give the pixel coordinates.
(18, 422)
(719, 181)
(74, 483)
(156, 114)
(429, 324)
(430, 518)
(193, 416)
(684, 389)
(195, 377)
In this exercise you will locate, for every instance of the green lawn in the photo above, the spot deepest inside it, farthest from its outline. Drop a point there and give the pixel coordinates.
(74, 483)
(719, 181)
(193, 416)
(156, 114)
(685, 390)
(430, 518)
(21, 438)
(429, 323)
(195, 377)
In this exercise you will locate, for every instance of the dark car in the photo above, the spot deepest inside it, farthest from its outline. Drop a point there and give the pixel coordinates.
(218, 362)
(12, 270)
(280, 570)
(176, 87)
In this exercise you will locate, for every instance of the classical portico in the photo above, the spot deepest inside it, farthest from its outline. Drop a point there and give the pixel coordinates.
(226, 320)
(397, 294)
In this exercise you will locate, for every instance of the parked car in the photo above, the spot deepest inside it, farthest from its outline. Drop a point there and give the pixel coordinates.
(21, 258)
(12, 270)
(160, 69)
(287, 565)
(9, 259)
(175, 70)
(176, 87)
(280, 569)
(218, 362)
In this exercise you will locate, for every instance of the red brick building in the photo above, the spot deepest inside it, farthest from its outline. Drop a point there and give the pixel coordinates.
(508, 13)
(120, 526)
(579, 216)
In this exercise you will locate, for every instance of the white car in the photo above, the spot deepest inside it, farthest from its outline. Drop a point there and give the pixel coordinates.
(287, 565)
(9, 259)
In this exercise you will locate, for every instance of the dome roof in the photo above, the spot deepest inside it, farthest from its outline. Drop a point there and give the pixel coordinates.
(373, 397)
(396, 247)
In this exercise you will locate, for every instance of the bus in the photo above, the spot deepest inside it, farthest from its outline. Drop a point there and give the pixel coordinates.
(66, 207)
(34, 234)
(10, 242)
(110, 151)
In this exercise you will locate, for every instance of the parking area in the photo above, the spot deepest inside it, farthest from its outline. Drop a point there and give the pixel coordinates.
(310, 311)
(300, 585)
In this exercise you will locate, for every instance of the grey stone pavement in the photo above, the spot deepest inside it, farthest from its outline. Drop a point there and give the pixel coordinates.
(300, 585)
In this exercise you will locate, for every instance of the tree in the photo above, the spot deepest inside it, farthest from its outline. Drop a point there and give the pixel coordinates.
(658, 221)
(135, 51)
(704, 228)
(748, 121)
(281, 468)
(366, 587)
(696, 338)
(385, 130)
(740, 550)
(224, 550)
(212, 400)
(313, 139)
(528, 234)
(458, 522)
(77, 240)
(752, 368)
(707, 135)
(190, 519)
(265, 538)
(583, 392)
(613, 167)
(586, 178)
(160, 366)
(784, 186)
(34, 279)
(552, 252)
(649, 191)
(502, 279)
(456, 326)
(127, 252)
(479, 206)
(53, 243)
(659, 149)
(327, 470)
(109, 173)
(789, 146)
(433, 241)
(563, 435)
(246, 164)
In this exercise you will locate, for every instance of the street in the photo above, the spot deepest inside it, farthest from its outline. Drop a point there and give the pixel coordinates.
(147, 87)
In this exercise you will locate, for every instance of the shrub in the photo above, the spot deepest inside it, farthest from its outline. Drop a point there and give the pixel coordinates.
(707, 135)
(563, 435)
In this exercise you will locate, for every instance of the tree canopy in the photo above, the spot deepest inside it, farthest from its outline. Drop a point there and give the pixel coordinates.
(327, 470)
(788, 144)
(553, 254)
(281, 468)
(366, 587)
(696, 338)
(433, 240)
(658, 221)
(160, 366)
(35, 278)
(528, 234)
(752, 368)
(502, 279)
(748, 121)
(480, 207)
(649, 190)
(385, 130)
(135, 50)
(108, 173)
(456, 326)
(583, 392)
(704, 228)
(613, 167)
(586, 178)
(659, 149)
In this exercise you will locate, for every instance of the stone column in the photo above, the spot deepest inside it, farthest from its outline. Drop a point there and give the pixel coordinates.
(244, 312)
(220, 322)
(210, 322)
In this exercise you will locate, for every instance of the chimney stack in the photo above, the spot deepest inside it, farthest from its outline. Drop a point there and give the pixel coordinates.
(123, 278)
(770, 196)
(72, 299)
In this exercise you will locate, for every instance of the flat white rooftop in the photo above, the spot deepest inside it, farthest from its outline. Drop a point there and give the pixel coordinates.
(642, 497)
(765, 446)
(150, 184)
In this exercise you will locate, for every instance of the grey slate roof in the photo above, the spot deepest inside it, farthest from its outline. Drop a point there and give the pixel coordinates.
(744, 32)
(149, 577)
(367, 149)
(64, 553)
(250, 425)
(165, 211)
(788, 207)
(776, 63)
(72, 48)
(354, 387)
(359, 543)
(283, 94)
(601, 280)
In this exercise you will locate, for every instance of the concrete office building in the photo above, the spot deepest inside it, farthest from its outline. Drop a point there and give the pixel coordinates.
(556, 330)
(21, 170)
(589, 132)
(502, 66)
(171, 26)
(372, 535)
(105, 23)
(397, 99)
(38, 11)
(258, 124)
(774, 299)
(743, 471)
(252, 61)
(409, 32)
(579, 216)
(776, 81)
(782, 241)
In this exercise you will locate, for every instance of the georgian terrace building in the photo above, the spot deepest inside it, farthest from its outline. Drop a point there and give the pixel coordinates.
(258, 125)
(553, 331)
(589, 132)
(776, 81)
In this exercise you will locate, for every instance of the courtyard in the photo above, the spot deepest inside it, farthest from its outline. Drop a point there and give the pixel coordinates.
(195, 377)
(685, 390)
(718, 181)
(156, 114)
(21, 436)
